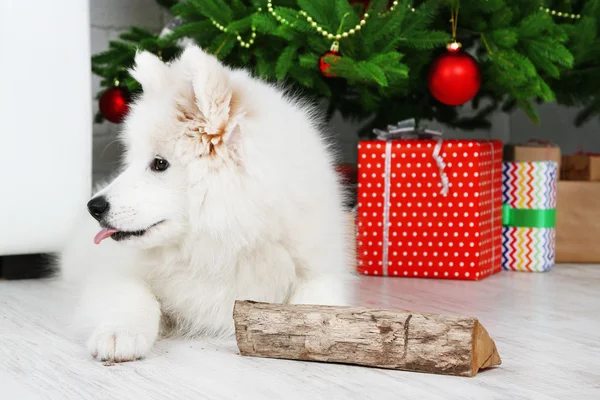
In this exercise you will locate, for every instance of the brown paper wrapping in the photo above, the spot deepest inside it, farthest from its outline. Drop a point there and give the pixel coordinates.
(578, 222)
(528, 153)
(580, 168)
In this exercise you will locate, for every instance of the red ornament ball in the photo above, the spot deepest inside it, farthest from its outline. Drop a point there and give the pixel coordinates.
(323, 66)
(367, 3)
(454, 77)
(363, 2)
(114, 104)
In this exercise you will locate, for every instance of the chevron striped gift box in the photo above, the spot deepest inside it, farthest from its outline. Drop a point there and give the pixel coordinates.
(529, 215)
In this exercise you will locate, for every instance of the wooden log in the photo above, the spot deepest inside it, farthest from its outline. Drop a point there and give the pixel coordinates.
(404, 340)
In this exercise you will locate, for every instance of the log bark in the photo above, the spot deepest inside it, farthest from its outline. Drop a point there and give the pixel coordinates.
(404, 340)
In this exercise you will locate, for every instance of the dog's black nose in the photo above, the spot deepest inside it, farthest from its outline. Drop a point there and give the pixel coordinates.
(97, 207)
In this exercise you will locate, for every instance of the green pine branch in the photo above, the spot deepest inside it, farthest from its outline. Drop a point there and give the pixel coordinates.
(526, 55)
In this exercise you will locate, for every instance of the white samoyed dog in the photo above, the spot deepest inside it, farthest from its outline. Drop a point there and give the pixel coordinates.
(228, 192)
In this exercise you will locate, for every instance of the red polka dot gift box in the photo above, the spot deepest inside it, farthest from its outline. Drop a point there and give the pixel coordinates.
(429, 208)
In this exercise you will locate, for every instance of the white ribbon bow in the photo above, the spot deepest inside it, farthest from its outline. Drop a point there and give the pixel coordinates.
(406, 130)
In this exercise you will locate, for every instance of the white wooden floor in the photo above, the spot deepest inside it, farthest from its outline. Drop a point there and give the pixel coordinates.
(546, 327)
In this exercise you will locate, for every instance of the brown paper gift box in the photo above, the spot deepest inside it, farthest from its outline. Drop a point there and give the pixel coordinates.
(532, 152)
(580, 168)
(578, 222)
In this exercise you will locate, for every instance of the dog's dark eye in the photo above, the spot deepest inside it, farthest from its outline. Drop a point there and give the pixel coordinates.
(159, 164)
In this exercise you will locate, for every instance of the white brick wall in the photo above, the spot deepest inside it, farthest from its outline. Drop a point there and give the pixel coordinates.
(108, 18)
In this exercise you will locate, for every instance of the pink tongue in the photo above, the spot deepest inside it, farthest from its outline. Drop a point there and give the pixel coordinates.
(103, 234)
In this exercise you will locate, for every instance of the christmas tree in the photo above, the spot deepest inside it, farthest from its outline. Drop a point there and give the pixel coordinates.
(372, 60)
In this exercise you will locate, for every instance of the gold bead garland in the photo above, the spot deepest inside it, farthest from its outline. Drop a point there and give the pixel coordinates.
(242, 42)
(323, 31)
(319, 28)
(393, 7)
(278, 17)
(331, 36)
(350, 32)
(560, 14)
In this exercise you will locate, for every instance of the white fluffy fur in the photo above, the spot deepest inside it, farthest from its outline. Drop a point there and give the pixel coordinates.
(251, 204)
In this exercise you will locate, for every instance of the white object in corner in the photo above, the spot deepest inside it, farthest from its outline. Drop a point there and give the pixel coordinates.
(45, 122)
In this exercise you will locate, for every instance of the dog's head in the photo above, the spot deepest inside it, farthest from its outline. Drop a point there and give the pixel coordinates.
(181, 136)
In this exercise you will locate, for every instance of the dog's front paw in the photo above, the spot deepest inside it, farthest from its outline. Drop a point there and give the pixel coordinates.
(119, 344)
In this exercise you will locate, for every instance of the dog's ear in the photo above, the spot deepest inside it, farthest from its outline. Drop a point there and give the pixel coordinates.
(149, 71)
(213, 94)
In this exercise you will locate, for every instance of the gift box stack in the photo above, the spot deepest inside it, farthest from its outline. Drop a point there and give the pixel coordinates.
(577, 191)
(428, 207)
(435, 208)
(529, 200)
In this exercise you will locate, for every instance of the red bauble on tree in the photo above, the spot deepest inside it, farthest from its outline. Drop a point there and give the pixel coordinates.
(367, 3)
(454, 77)
(323, 66)
(114, 104)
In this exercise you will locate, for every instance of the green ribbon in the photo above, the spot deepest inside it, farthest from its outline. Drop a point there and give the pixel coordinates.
(528, 218)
